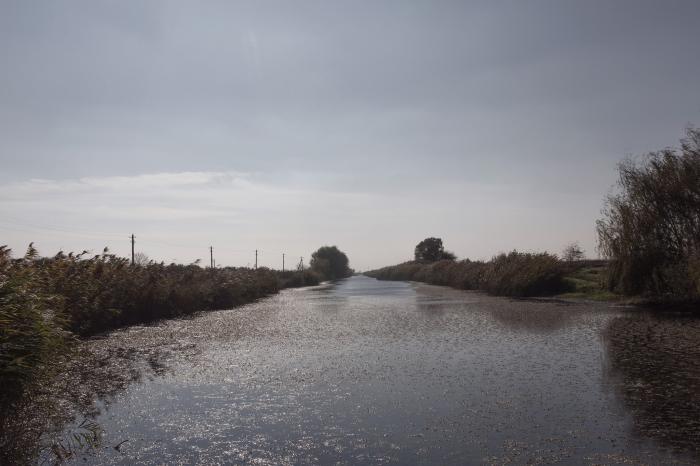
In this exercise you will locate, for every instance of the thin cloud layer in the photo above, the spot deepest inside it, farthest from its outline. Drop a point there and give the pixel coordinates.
(495, 125)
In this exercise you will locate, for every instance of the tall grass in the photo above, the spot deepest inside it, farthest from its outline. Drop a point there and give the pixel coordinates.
(32, 342)
(297, 279)
(105, 291)
(514, 274)
(43, 301)
(31, 327)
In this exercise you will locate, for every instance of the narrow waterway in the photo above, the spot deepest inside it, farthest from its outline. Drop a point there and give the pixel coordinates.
(364, 371)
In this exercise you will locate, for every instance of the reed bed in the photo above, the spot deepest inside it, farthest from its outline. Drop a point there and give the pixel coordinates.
(47, 303)
(514, 274)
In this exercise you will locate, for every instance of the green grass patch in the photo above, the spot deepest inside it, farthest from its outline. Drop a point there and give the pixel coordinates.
(588, 283)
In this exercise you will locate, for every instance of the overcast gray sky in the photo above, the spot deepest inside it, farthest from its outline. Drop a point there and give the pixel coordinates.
(284, 126)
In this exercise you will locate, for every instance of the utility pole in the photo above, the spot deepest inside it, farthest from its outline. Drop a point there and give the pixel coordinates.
(282, 262)
(256, 258)
(211, 256)
(132, 249)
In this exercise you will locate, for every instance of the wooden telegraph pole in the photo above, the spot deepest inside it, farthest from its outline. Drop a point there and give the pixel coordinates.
(132, 249)
(256, 258)
(282, 262)
(211, 256)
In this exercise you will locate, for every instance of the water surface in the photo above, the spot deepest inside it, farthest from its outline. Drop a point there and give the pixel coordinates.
(364, 371)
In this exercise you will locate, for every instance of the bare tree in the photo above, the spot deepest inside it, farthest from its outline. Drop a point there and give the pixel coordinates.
(573, 252)
(140, 258)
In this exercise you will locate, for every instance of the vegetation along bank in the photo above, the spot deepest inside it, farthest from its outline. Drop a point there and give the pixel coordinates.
(649, 238)
(47, 304)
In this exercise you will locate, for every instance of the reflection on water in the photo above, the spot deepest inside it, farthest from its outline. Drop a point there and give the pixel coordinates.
(656, 363)
(389, 372)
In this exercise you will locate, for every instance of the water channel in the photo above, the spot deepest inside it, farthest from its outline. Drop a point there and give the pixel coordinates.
(364, 371)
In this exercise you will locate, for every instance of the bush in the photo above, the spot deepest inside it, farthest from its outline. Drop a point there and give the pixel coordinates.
(651, 229)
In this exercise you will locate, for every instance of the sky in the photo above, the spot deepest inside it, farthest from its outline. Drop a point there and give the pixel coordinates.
(285, 126)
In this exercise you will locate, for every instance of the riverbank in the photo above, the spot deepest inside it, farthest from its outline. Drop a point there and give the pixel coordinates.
(365, 372)
(586, 280)
(48, 304)
(514, 275)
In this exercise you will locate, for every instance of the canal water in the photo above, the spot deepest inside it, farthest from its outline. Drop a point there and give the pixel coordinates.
(370, 372)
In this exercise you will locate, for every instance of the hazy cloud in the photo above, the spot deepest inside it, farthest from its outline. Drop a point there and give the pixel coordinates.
(335, 121)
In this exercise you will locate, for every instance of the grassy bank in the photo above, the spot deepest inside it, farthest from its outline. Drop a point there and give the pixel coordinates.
(514, 274)
(588, 280)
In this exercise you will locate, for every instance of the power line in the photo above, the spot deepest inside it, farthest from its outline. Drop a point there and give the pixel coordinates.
(143, 239)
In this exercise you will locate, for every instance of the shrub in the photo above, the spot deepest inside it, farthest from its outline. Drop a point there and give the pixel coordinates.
(651, 229)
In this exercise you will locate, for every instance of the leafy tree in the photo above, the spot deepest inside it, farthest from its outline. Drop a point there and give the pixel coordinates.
(651, 227)
(432, 250)
(330, 263)
(448, 256)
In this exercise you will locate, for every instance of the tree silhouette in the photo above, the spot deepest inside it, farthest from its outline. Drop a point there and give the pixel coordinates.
(331, 263)
(432, 250)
